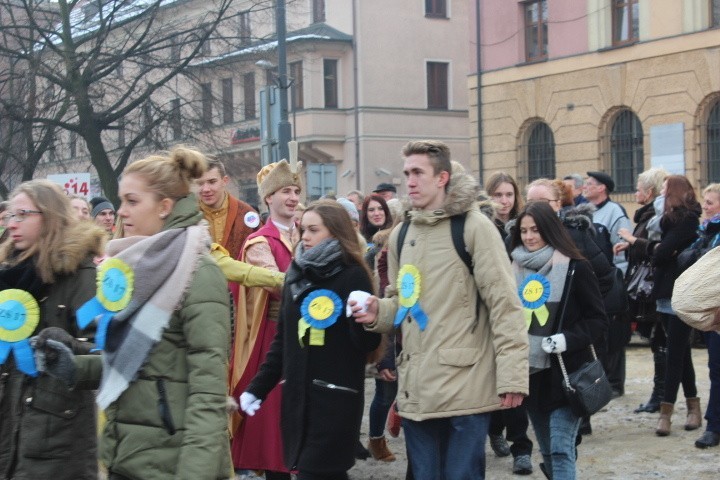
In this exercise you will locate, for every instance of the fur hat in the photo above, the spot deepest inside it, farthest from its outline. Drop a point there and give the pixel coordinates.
(278, 175)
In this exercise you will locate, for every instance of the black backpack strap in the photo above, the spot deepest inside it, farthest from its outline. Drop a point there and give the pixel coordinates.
(401, 236)
(457, 230)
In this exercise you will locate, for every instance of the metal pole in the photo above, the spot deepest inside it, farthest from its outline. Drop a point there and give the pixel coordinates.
(284, 130)
(478, 42)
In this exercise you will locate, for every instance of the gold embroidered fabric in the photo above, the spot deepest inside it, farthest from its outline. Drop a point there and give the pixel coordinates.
(216, 218)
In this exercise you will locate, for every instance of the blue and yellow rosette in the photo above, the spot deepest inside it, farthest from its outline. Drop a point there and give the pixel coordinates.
(115, 281)
(19, 316)
(534, 293)
(319, 310)
(408, 285)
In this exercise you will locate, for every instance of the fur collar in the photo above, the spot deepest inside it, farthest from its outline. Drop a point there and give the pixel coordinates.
(460, 198)
(578, 217)
(80, 240)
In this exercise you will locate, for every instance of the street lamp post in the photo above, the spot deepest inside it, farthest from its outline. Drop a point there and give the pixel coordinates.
(284, 130)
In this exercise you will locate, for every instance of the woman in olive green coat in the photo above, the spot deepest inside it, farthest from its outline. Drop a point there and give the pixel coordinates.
(46, 429)
(165, 357)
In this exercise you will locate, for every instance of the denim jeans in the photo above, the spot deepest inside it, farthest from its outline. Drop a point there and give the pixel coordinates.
(712, 414)
(450, 448)
(556, 431)
(384, 395)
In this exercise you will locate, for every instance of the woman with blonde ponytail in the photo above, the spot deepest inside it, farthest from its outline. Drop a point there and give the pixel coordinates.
(165, 345)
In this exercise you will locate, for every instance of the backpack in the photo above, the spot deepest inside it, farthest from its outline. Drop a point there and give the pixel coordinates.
(457, 228)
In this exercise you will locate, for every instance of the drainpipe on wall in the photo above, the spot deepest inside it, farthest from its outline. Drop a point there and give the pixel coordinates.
(356, 95)
(478, 59)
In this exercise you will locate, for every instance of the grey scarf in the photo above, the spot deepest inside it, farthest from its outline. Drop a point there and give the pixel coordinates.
(548, 267)
(319, 256)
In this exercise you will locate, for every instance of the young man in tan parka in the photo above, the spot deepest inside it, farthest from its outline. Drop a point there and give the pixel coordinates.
(460, 360)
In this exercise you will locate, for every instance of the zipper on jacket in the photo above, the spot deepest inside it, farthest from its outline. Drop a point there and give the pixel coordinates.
(164, 407)
(332, 386)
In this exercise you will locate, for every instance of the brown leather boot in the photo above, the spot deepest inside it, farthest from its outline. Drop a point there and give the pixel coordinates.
(663, 427)
(694, 415)
(379, 449)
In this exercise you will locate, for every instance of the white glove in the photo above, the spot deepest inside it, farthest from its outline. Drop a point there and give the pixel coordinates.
(554, 344)
(249, 403)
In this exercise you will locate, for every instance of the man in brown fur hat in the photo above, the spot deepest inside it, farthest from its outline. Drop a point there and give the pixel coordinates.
(257, 443)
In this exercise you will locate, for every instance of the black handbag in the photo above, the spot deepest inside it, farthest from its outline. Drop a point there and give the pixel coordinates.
(640, 282)
(587, 389)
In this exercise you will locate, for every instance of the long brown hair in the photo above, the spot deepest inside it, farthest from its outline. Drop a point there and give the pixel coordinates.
(498, 178)
(550, 228)
(337, 220)
(679, 198)
(57, 217)
(368, 229)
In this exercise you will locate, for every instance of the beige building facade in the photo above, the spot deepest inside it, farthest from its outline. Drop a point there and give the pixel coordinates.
(635, 84)
(364, 78)
(367, 76)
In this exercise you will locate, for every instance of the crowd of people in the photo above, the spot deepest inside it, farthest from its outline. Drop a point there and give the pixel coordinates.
(185, 335)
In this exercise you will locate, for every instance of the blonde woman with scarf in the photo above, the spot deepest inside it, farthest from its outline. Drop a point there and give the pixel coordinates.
(163, 322)
(549, 269)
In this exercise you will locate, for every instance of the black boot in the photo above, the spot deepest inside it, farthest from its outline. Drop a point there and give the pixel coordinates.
(361, 453)
(653, 404)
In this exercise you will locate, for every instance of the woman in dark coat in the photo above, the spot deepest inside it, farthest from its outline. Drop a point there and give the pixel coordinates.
(318, 351)
(679, 225)
(550, 271)
(649, 184)
(46, 429)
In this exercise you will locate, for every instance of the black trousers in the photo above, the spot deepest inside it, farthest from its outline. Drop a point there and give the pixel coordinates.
(515, 420)
(679, 359)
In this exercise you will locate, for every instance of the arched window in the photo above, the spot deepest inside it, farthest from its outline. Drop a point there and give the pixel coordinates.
(713, 144)
(541, 152)
(626, 151)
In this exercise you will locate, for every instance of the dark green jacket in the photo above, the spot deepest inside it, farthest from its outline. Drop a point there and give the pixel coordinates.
(46, 430)
(191, 363)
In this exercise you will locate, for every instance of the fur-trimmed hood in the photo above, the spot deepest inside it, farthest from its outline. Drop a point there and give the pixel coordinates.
(460, 197)
(579, 217)
(82, 240)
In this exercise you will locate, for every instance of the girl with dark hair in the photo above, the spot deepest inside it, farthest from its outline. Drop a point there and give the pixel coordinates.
(319, 352)
(550, 270)
(375, 216)
(679, 225)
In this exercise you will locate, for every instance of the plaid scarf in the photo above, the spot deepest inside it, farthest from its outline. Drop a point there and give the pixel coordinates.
(163, 265)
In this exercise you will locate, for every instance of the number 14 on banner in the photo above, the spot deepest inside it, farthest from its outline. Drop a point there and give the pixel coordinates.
(73, 183)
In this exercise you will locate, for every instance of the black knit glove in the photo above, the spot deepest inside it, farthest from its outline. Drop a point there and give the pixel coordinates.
(53, 355)
(62, 336)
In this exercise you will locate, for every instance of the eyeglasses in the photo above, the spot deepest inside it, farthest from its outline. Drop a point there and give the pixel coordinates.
(20, 215)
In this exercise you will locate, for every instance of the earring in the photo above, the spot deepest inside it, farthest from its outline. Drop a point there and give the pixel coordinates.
(163, 216)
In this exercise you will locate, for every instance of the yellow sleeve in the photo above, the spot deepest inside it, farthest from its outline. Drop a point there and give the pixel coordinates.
(244, 273)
